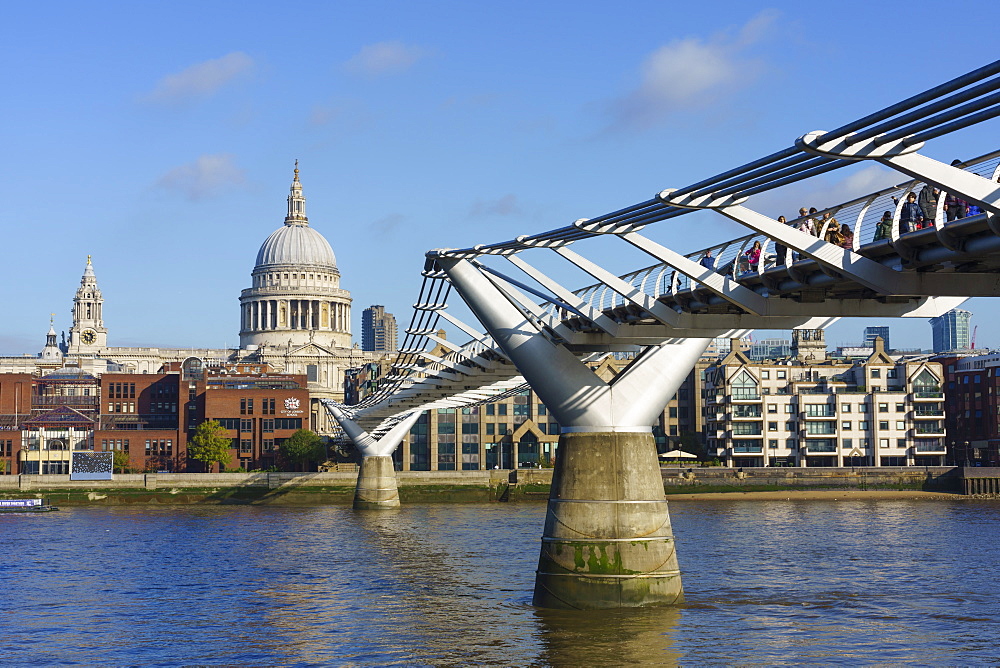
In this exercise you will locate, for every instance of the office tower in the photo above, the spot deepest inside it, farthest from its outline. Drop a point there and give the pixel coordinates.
(378, 329)
(951, 330)
(872, 332)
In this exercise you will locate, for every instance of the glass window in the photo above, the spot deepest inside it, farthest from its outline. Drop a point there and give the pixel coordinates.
(876, 373)
(772, 408)
(772, 426)
(781, 374)
(845, 408)
(883, 424)
(863, 425)
(765, 374)
(900, 408)
(883, 408)
(846, 426)
(900, 424)
(883, 443)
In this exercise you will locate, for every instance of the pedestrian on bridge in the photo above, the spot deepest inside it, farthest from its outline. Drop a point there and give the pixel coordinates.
(911, 216)
(884, 228)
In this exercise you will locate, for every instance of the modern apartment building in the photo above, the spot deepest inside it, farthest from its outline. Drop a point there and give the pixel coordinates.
(881, 411)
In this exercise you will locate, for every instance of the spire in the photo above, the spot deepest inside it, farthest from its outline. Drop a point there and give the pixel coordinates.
(296, 202)
(89, 271)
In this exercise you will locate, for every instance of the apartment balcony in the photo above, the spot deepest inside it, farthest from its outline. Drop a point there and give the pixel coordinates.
(826, 446)
(818, 434)
(930, 448)
(928, 395)
(745, 398)
(828, 414)
(928, 429)
(753, 413)
(928, 413)
(754, 430)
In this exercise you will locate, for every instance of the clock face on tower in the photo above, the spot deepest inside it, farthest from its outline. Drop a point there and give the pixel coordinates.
(88, 336)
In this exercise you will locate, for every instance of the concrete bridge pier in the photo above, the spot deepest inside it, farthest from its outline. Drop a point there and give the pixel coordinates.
(607, 541)
(376, 488)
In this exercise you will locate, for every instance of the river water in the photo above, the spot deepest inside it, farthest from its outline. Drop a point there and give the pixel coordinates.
(767, 582)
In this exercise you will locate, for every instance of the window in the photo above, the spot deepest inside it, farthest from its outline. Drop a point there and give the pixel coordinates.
(883, 424)
(267, 426)
(470, 428)
(553, 428)
(863, 425)
(245, 445)
(446, 427)
(491, 428)
(883, 443)
(542, 410)
(772, 408)
(672, 411)
(773, 444)
(502, 409)
(900, 424)
(268, 406)
(288, 423)
(901, 443)
(502, 428)
(883, 408)
(772, 426)
(246, 425)
(789, 408)
(312, 373)
(781, 374)
(846, 426)
(490, 409)
(765, 374)
(900, 408)
(845, 408)
(268, 444)
(863, 408)
(745, 387)
(847, 443)
(522, 409)
(876, 373)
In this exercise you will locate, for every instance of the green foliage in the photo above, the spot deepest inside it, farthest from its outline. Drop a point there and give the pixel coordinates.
(209, 444)
(3, 465)
(121, 462)
(303, 446)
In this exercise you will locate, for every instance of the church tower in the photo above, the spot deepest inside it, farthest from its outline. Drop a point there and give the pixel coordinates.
(51, 351)
(88, 334)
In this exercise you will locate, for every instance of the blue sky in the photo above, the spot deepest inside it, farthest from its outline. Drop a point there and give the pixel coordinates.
(160, 136)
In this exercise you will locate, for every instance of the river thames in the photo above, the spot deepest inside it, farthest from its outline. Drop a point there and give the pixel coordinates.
(767, 583)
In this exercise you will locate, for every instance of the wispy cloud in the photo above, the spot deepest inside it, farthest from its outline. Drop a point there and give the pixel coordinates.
(206, 177)
(387, 224)
(691, 73)
(824, 192)
(384, 58)
(202, 79)
(504, 206)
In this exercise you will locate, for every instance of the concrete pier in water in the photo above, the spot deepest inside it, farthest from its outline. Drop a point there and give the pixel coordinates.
(607, 541)
(376, 488)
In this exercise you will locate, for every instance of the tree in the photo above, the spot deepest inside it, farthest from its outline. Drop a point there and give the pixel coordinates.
(209, 444)
(121, 461)
(303, 446)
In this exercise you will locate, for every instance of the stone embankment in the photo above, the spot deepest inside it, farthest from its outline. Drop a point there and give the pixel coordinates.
(457, 486)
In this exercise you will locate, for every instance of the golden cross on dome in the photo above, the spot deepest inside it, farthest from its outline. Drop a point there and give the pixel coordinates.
(88, 259)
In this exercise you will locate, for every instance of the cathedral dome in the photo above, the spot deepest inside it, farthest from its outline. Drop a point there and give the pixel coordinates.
(298, 245)
(295, 244)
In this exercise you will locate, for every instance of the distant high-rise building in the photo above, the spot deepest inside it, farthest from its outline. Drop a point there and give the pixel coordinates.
(770, 349)
(378, 329)
(951, 330)
(872, 332)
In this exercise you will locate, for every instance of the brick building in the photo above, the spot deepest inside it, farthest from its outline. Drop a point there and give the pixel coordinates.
(43, 420)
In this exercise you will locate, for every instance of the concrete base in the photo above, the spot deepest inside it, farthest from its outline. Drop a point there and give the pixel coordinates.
(376, 489)
(607, 541)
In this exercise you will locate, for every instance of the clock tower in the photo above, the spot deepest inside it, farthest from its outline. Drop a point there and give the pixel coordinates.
(88, 334)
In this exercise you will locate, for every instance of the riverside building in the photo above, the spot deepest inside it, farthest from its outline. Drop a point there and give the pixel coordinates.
(150, 417)
(808, 411)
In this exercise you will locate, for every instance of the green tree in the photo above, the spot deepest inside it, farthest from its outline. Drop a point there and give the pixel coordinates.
(303, 446)
(121, 461)
(209, 444)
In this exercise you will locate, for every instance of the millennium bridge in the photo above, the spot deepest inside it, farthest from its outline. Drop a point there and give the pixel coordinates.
(607, 540)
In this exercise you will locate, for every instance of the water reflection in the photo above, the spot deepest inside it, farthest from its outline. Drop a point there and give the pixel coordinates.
(775, 582)
(573, 638)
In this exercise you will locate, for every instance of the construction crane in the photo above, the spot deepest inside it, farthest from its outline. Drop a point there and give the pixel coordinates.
(972, 344)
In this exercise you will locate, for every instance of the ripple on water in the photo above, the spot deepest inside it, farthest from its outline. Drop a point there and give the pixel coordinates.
(776, 582)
